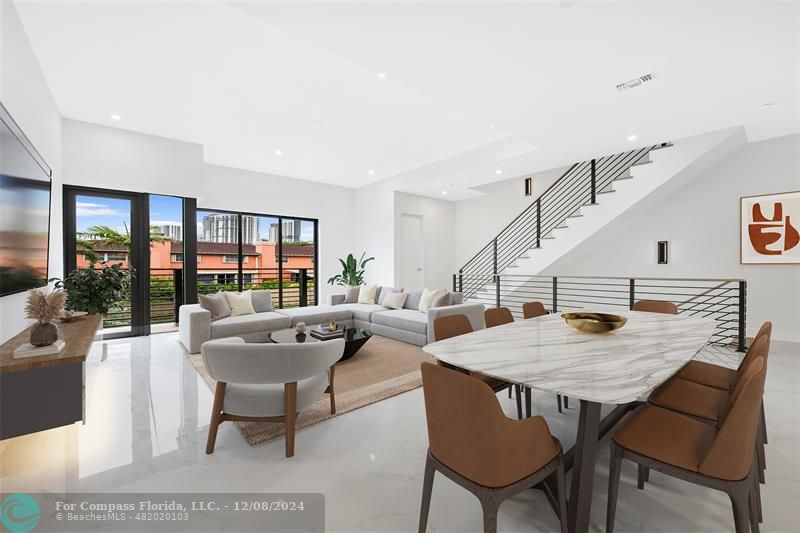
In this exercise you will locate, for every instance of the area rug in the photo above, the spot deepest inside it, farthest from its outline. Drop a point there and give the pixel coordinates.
(382, 368)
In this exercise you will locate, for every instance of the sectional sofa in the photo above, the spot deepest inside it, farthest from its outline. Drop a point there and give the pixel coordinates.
(407, 325)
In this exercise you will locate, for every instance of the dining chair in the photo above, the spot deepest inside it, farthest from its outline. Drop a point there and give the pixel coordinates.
(266, 382)
(709, 404)
(498, 316)
(446, 327)
(656, 306)
(533, 309)
(720, 457)
(471, 442)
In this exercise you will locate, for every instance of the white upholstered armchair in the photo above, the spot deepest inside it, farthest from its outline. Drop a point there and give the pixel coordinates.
(264, 382)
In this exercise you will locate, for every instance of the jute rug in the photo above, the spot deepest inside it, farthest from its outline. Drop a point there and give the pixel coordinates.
(382, 368)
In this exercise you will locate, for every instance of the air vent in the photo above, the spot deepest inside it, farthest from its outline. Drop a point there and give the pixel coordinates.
(635, 82)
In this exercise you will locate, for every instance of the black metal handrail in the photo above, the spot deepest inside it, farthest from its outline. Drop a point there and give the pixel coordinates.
(724, 300)
(578, 186)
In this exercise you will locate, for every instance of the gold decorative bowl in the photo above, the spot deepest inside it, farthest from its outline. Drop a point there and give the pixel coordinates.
(594, 322)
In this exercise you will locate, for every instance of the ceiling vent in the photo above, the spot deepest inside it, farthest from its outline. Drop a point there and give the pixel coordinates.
(635, 82)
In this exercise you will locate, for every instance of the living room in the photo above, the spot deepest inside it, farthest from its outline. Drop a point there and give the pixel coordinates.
(272, 177)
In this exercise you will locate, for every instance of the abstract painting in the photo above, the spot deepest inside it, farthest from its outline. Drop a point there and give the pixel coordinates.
(770, 228)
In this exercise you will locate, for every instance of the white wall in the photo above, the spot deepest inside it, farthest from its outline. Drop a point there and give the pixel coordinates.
(478, 220)
(374, 230)
(701, 223)
(26, 96)
(438, 218)
(113, 158)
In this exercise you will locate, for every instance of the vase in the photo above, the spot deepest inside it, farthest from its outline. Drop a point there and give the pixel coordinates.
(44, 334)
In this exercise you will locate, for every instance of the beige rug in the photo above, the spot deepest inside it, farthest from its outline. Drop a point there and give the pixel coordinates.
(382, 368)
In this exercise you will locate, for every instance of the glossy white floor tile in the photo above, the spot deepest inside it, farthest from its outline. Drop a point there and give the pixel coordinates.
(148, 411)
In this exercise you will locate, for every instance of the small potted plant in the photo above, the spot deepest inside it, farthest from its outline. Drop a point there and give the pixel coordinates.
(44, 308)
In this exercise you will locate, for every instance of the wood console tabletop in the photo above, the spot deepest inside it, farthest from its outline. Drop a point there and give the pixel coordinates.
(78, 336)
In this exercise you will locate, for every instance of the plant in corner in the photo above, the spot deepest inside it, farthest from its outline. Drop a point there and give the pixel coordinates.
(352, 271)
(96, 290)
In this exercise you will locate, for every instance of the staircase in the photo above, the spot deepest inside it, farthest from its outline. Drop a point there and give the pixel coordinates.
(583, 200)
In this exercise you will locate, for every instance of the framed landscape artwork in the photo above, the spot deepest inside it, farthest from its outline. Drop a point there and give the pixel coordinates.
(770, 228)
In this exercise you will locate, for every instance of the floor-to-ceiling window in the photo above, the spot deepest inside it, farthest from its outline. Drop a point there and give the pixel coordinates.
(166, 261)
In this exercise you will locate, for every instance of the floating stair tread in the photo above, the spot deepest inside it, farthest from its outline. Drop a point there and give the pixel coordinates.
(641, 163)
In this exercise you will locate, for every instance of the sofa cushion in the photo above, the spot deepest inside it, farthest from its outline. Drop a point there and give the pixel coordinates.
(362, 311)
(317, 314)
(216, 304)
(414, 296)
(241, 302)
(395, 300)
(383, 292)
(405, 319)
(368, 294)
(351, 295)
(262, 301)
(237, 325)
(442, 299)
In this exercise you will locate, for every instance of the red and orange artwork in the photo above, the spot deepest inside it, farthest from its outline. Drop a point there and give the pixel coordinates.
(770, 231)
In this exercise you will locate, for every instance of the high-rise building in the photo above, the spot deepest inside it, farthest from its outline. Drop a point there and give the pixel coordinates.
(291, 231)
(221, 227)
(171, 231)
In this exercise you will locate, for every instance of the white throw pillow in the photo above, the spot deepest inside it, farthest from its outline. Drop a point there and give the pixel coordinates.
(427, 298)
(366, 294)
(241, 303)
(395, 300)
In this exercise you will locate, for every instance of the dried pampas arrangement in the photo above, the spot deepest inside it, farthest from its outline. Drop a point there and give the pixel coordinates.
(45, 307)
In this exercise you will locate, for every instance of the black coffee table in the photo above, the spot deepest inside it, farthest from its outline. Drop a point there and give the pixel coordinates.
(354, 339)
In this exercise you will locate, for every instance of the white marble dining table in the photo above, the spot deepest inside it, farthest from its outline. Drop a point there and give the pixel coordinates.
(621, 367)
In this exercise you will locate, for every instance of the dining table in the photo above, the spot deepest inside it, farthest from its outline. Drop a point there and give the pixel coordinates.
(618, 368)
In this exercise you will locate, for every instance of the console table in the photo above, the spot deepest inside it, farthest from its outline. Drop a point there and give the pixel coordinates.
(44, 392)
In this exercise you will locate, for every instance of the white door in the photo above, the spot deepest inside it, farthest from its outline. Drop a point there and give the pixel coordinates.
(412, 252)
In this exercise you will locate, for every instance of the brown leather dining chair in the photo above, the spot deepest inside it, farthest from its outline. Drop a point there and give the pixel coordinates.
(497, 316)
(446, 327)
(533, 310)
(656, 306)
(474, 444)
(719, 457)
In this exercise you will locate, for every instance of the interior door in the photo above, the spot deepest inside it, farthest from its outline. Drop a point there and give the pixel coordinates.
(412, 252)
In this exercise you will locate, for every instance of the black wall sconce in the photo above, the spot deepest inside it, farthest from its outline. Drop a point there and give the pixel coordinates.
(528, 186)
(663, 252)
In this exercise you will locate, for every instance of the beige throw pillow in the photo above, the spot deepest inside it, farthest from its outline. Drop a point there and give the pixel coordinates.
(395, 300)
(442, 300)
(351, 295)
(241, 303)
(216, 304)
(426, 301)
(366, 295)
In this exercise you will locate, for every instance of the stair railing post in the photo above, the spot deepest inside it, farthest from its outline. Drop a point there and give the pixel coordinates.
(539, 222)
(303, 279)
(555, 294)
(594, 181)
(632, 293)
(496, 277)
(742, 344)
(460, 281)
(455, 287)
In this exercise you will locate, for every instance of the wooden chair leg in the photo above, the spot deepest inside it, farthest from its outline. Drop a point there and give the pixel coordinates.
(752, 508)
(331, 390)
(528, 402)
(613, 486)
(763, 424)
(490, 507)
(757, 496)
(562, 496)
(290, 415)
(518, 392)
(427, 489)
(643, 473)
(216, 417)
(558, 399)
(739, 503)
(761, 460)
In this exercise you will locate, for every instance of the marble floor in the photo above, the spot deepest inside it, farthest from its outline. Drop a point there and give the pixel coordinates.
(147, 417)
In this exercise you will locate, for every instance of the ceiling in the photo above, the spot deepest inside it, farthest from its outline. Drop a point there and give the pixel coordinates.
(439, 95)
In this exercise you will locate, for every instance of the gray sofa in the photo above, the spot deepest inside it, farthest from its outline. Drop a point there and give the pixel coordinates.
(406, 325)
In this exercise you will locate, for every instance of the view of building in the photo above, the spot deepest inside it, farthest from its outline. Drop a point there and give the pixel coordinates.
(172, 231)
(222, 227)
(290, 231)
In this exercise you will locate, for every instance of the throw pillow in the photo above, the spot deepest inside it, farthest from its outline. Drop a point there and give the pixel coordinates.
(395, 300)
(366, 294)
(442, 300)
(427, 298)
(216, 304)
(351, 295)
(241, 303)
(262, 301)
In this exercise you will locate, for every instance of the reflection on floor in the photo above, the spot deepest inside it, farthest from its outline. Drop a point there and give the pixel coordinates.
(148, 411)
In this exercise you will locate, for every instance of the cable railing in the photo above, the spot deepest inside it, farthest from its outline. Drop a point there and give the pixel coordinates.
(723, 300)
(579, 186)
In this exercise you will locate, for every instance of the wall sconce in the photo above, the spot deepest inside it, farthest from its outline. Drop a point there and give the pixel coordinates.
(528, 186)
(663, 252)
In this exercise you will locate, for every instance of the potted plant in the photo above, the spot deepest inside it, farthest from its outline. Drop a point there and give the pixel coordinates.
(44, 308)
(95, 290)
(352, 271)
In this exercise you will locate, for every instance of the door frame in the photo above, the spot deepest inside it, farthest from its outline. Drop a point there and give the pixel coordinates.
(399, 267)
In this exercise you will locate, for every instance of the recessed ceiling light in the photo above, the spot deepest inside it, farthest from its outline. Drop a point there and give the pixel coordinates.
(444, 192)
(371, 172)
(382, 75)
(491, 126)
(115, 117)
(279, 152)
(498, 171)
(631, 137)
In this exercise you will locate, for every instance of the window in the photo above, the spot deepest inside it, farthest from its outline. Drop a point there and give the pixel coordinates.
(230, 258)
(528, 186)
(177, 258)
(116, 256)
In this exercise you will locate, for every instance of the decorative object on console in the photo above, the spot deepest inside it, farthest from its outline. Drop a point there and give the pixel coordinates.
(44, 309)
(594, 322)
(352, 271)
(95, 290)
(770, 228)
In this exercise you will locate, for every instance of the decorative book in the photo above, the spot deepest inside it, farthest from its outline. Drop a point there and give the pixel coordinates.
(323, 333)
(29, 350)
